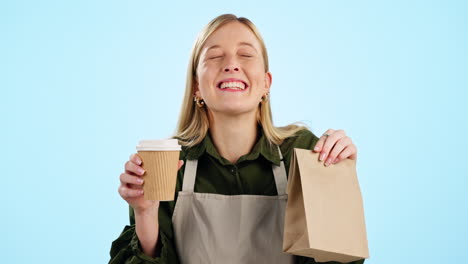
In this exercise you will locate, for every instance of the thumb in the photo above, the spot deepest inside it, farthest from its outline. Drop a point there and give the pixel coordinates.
(181, 162)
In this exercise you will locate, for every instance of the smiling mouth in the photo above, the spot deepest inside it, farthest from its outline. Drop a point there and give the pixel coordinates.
(232, 86)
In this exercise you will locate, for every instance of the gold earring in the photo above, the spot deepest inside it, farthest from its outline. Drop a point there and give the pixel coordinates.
(264, 98)
(200, 103)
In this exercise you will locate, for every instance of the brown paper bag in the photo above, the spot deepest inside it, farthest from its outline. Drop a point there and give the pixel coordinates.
(324, 214)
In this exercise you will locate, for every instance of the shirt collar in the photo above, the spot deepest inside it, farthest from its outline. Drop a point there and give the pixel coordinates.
(261, 147)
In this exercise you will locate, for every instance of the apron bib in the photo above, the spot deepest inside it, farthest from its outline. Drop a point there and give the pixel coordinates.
(214, 228)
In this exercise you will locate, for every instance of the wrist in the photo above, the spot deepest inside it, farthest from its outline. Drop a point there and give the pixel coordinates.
(152, 210)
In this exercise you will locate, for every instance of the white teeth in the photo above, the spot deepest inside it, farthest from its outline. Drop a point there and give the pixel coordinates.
(238, 85)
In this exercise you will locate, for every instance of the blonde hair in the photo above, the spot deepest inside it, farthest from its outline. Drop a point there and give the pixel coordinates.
(193, 120)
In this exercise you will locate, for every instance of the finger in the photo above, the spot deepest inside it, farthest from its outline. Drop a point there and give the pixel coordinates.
(130, 179)
(134, 186)
(181, 162)
(126, 192)
(341, 144)
(353, 156)
(132, 168)
(319, 145)
(353, 151)
(346, 153)
(135, 158)
(330, 143)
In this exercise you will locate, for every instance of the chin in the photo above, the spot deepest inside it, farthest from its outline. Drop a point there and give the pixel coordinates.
(234, 109)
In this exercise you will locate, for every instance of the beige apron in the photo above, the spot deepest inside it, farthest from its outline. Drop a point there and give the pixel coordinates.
(214, 228)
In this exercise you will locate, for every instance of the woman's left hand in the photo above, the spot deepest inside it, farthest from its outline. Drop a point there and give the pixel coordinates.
(335, 147)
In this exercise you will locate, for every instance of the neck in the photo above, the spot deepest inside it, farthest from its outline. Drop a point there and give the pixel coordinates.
(233, 136)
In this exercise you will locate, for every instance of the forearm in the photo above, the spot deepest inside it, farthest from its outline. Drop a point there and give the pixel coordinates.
(147, 229)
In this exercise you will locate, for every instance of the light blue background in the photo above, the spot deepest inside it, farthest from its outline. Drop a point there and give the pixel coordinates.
(83, 81)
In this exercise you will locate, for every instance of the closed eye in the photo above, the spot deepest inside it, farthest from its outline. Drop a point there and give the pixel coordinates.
(215, 57)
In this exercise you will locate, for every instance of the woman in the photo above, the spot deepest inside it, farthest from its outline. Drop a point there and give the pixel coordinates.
(230, 147)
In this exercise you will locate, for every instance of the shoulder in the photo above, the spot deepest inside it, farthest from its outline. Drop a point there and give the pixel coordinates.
(191, 151)
(304, 138)
(183, 152)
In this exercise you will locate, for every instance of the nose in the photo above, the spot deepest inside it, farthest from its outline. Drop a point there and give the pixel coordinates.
(231, 69)
(231, 64)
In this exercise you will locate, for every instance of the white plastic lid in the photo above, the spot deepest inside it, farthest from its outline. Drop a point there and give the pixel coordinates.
(158, 145)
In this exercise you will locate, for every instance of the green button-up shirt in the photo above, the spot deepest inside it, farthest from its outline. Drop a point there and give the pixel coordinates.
(251, 174)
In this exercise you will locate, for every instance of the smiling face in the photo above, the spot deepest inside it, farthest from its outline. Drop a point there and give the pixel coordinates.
(231, 75)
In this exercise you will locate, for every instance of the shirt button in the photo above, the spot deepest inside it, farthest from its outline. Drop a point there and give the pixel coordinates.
(233, 170)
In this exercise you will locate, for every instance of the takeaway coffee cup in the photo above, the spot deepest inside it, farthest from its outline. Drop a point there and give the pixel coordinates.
(160, 161)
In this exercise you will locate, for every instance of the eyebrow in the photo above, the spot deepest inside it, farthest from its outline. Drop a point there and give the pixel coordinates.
(239, 44)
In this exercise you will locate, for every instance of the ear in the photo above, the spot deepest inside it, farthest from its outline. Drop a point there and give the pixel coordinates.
(268, 80)
(196, 87)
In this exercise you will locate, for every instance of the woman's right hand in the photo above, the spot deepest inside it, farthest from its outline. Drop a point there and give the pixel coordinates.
(131, 185)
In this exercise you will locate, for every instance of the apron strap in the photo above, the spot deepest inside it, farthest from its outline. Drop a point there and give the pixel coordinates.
(279, 172)
(189, 175)
(280, 176)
